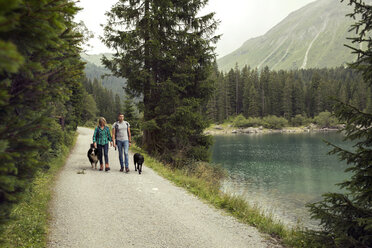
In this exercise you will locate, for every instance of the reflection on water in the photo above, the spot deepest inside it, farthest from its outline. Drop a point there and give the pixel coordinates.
(281, 172)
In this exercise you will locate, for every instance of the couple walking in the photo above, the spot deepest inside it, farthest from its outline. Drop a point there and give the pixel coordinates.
(121, 139)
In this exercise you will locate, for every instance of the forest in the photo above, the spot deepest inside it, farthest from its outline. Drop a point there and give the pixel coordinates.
(100, 101)
(293, 95)
(41, 91)
(114, 84)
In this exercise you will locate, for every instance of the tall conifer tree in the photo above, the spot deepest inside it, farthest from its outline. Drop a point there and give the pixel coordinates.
(347, 218)
(165, 51)
(265, 91)
(287, 97)
(221, 98)
(247, 85)
(211, 108)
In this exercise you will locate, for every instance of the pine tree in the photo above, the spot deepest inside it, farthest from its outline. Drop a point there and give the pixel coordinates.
(347, 218)
(297, 98)
(368, 108)
(90, 108)
(254, 107)
(129, 111)
(211, 108)
(131, 116)
(287, 107)
(265, 91)
(221, 98)
(232, 84)
(312, 97)
(118, 108)
(165, 53)
(277, 101)
(254, 102)
(246, 93)
(240, 92)
(226, 98)
(10, 62)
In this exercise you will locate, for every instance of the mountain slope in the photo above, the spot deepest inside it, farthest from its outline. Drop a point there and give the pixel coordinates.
(311, 37)
(95, 58)
(94, 69)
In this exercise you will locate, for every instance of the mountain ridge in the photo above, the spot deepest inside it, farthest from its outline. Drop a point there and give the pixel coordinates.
(310, 37)
(95, 70)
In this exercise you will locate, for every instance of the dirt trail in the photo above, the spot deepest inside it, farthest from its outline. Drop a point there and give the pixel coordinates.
(114, 209)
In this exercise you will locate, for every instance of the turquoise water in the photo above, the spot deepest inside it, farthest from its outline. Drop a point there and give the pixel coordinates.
(280, 173)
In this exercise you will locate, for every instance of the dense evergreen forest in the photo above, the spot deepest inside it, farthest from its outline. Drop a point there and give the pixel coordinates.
(100, 101)
(287, 94)
(102, 74)
(103, 101)
(44, 94)
(41, 91)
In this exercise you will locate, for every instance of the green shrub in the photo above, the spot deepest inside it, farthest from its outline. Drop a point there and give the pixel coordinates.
(274, 122)
(326, 119)
(300, 120)
(242, 122)
(200, 153)
(239, 121)
(254, 122)
(212, 174)
(56, 136)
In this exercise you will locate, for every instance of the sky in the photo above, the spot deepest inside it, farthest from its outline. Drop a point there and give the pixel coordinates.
(240, 20)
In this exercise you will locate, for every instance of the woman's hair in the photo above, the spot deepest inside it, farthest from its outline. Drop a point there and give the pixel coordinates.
(101, 120)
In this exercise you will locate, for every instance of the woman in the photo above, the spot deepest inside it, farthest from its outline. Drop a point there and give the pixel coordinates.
(101, 138)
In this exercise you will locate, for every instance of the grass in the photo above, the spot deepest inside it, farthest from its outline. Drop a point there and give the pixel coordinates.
(204, 182)
(29, 224)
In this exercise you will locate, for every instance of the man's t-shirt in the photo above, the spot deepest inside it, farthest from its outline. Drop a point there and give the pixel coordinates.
(122, 130)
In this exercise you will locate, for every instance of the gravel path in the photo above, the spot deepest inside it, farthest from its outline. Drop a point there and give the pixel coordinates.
(114, 209)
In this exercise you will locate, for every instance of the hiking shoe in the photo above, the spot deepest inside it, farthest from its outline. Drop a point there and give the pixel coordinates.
(126, 170)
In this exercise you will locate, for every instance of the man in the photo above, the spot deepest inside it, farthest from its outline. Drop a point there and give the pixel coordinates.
(122, 140)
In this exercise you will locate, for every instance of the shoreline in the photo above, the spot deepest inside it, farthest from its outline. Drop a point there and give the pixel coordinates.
(230, 130)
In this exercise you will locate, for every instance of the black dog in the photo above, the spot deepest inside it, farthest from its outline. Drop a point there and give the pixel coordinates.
(138, 161)
(93, 156)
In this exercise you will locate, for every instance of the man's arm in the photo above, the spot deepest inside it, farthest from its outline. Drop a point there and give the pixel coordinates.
(113, 135)
(129, 136)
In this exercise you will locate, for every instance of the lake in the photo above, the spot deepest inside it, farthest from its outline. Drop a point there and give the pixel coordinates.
(280, 173)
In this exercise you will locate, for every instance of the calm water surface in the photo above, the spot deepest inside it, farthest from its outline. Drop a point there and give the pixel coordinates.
(280, 173)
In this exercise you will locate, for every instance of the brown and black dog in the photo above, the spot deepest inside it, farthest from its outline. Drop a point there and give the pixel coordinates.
(93, 156)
